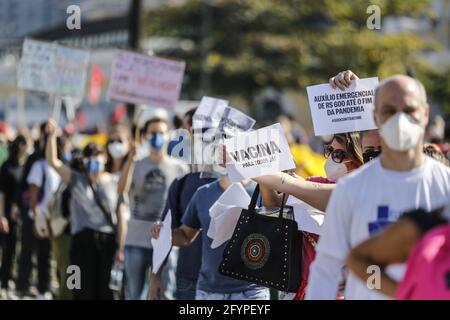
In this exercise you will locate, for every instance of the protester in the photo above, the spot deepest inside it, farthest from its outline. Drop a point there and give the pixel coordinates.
(211, 284)
(395, 244)
(10, 174)
(147, 181)
(117, 146)
(42, 182)
(93, 223)
(180, 194)
(372, 197)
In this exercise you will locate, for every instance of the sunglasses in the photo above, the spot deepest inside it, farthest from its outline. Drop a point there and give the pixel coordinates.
(115, 140)
(337, 155)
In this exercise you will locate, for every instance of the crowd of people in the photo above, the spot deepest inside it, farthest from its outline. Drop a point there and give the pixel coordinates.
(98, 207)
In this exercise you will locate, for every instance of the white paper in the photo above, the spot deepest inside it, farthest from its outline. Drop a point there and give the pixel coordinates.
(234, 197)
(227, 222)
(162, 245)
(217, 114)
(209, 113)
(308, 219)
(234, 121)
(336, 111)
(258, 153)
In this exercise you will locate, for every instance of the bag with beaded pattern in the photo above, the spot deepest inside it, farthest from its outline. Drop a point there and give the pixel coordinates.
(265, 249)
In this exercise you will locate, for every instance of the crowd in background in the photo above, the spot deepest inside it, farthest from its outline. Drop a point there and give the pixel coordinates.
(110, 199)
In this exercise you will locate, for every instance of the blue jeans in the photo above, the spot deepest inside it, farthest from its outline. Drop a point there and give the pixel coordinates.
(251, 294)
(185, 289)
(137, 265)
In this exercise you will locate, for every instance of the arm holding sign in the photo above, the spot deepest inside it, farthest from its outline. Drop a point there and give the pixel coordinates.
(51, 153)
(187, 232)
(314, 194)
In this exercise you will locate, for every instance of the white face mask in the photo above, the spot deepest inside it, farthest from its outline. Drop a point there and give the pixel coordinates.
(117, 149)
(335, 170)
(401, 132)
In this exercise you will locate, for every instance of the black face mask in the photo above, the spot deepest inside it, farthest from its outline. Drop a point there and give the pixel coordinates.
(370, 155)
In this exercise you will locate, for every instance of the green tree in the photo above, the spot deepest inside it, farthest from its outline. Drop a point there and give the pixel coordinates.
(246, 45)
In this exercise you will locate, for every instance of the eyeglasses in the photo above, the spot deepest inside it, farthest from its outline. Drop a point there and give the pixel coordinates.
(337, 155)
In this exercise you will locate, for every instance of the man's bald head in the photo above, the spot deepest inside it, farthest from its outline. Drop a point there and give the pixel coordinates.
(401, 93)
(402, 85)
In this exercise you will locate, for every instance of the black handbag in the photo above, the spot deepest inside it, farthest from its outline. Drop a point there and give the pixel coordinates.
(264, 249)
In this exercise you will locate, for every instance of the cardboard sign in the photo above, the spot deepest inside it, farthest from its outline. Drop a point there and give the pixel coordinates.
(141, 79)
(51, 68)
(258, 153)
(336, 111)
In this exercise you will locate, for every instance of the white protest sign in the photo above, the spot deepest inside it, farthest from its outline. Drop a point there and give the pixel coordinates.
(336, 111)
(209, 113)
(141, 79)
(259, 152)
(71, 71)
(234, 121)
(162, 245)
(308, 219)
(51, 68)
(37, 66)
(212, 119)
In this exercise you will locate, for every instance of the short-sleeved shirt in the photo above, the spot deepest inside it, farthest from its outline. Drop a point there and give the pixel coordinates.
(181, 192)
(197, 217)
(41, 173)
(84, 210)
(148, 194)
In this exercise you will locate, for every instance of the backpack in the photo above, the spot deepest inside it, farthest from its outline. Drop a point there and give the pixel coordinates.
(55, 215)
(427, 275)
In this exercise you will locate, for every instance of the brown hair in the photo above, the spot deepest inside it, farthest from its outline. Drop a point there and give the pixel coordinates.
(434, 152)
(92, 149)
(352, 143)
(154, 120)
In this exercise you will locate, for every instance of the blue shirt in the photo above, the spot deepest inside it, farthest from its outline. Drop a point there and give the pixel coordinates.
(181, 192)
(197, 217)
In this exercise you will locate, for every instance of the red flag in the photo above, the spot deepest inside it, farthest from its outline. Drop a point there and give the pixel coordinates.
(97, 79)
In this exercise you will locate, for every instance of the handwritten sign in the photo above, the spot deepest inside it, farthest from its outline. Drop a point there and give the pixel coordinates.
(51, 68)
(258, 153)
(141, 79)
(336, 111)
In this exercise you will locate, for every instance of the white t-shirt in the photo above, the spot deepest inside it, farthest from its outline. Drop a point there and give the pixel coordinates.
(52, 180)
(362, 204)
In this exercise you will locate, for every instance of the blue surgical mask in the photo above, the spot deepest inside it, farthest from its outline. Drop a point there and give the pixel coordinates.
(157, 141)
(94, 166)
(67, 156)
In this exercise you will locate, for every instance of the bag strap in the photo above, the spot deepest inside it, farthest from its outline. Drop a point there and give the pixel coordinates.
(254, 199)
(99, 202)
(255, 195)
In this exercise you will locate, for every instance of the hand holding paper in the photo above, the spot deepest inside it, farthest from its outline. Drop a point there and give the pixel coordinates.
(334, 111)
(162, 245)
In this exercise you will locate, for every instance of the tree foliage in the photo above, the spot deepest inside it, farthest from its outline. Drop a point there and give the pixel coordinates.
(286, 43)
